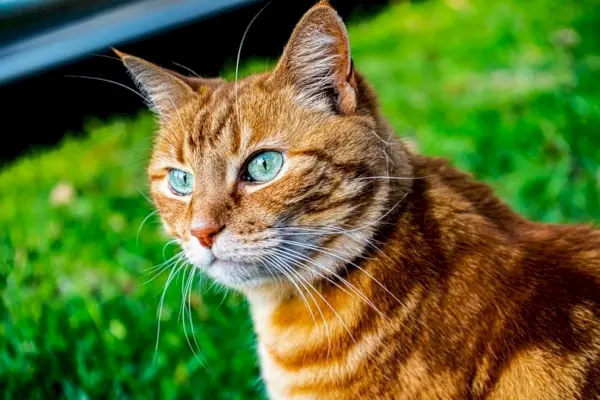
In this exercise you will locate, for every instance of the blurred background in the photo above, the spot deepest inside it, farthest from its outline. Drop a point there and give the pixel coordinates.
(506, 89)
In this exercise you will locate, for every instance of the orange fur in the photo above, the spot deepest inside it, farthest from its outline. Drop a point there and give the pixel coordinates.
(398, 277)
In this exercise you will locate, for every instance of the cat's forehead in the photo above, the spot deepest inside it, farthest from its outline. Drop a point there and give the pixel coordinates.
(229, 122)
(226, 122)
(234, 116)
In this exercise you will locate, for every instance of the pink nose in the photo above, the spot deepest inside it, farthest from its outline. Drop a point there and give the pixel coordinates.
(207, 234)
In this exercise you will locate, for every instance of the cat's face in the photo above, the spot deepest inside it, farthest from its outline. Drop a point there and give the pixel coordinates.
(279, 174)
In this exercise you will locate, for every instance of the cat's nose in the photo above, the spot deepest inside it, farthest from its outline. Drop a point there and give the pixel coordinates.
(207, 234)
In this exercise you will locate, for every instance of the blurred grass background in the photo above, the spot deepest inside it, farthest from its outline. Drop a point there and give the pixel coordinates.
(506, 89)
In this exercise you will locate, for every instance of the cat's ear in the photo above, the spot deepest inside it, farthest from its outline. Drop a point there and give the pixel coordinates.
(165, 90)
(317, 61)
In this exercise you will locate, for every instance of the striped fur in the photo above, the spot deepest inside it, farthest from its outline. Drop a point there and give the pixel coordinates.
(372, 272)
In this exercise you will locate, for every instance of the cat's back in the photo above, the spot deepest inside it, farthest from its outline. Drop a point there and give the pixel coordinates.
(535, 253)
(541, 327)
(550, 307)
(582, 241)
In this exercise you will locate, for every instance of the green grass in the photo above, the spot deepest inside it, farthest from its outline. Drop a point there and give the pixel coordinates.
(507, 90)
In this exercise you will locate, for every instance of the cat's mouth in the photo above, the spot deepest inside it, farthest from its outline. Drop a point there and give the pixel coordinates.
(269, 259)
(237, 272)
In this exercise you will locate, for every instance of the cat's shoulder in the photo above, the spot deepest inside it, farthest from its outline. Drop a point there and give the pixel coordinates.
(449, 184)
(440, 172)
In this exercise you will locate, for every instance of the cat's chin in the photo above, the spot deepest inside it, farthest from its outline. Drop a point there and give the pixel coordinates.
(234, 274)
(237, 275)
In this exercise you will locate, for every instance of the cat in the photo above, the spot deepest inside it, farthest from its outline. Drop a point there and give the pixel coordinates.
(372, 272)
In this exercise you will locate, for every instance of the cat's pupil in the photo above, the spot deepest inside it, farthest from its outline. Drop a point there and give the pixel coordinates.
(264, 163)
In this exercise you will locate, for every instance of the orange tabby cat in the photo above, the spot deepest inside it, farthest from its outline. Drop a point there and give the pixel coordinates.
(372, 272)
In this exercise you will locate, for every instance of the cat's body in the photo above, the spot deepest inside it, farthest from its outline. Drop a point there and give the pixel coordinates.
(372, 272)
(483, 304)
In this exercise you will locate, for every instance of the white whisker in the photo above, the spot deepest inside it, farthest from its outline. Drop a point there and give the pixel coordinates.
(181, 124)
(301, 279)
(355, 290)
(174, 271)
(187, 69)
(137, 237)
(188, 309)
(158, 266)
(167, 264)
(380, 218)
(293, 282)
(316, 248)
(323, 298)
(192, 325)
(237, 60)
(94, 78)
(399, 178)
(105, 56)
(184, 287)
(143, 194)
(167, 245)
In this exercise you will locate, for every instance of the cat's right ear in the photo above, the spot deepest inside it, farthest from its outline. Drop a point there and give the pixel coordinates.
(164, 90)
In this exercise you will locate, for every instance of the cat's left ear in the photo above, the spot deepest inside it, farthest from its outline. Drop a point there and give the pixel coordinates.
(318, 64)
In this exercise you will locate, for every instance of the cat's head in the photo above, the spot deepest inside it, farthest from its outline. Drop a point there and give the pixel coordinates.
(281, 174)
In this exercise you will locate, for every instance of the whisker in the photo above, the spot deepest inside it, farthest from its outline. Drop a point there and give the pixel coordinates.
(293, 282)
(316, 248)
(183, 320)
(225, 293)
(184, 287)
(351, 235)
(331, 230)
(381, 217)
(171, 262)
(94, 78)
(212, 285)
(355, 290)
(273, 275)
(294, 273)
(174, 271)
(237, 60)
(166, 245)
(400, 178)
(145, 196)
(326, 302)
(154, 267)
(181, 124)
(105, 56)
(192, 325)
(191, 71)
(137, 237)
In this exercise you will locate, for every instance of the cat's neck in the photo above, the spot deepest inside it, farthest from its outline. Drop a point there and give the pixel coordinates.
(444, 210)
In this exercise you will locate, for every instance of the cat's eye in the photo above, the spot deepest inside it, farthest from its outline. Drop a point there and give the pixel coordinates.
(263, 167)
(181, 182)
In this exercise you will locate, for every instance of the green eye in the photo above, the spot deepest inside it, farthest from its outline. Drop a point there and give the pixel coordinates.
(263, 167)
(181, 182)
